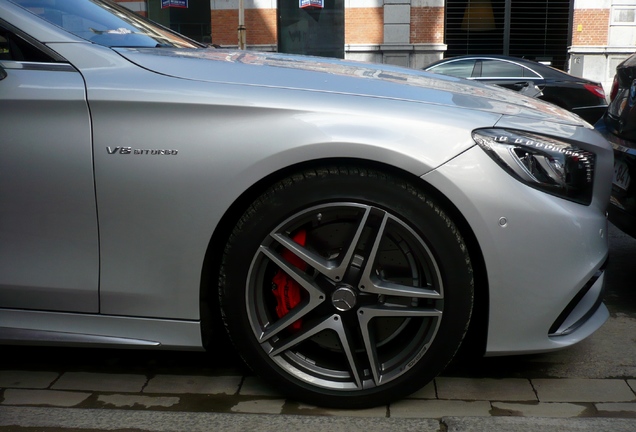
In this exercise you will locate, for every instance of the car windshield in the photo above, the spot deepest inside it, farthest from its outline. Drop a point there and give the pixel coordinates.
(105, 23)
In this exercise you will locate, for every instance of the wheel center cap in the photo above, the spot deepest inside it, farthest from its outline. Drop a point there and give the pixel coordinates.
(344, 298)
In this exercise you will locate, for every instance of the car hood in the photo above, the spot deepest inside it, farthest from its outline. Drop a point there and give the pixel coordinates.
(319, 74)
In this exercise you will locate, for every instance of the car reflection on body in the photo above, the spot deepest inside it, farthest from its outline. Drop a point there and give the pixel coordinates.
(348, 221)
(618, 125)
(579, 95)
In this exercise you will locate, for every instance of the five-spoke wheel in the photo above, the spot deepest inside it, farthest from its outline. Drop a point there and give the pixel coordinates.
(346, 287)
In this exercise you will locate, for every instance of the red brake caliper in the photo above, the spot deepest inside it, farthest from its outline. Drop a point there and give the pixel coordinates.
(287, 291)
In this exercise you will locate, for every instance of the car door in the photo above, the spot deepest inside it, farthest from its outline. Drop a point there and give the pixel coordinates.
(48, 221)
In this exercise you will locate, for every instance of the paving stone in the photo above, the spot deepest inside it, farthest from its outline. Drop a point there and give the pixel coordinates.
(254, 386)
(426, 392)
(43, 397)
(583, 390)
(264, 406)
(411, 408)
(119, 401)
(376, 412)
(625, 407)
(100, 382)
(485, 389)
(181, 384)
(556, 410)
(27, 379)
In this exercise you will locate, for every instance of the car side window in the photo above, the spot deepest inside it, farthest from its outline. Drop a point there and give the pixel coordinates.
(4, 48)
(459, 68)
(16, 48)
(501, 69)
(529, 73)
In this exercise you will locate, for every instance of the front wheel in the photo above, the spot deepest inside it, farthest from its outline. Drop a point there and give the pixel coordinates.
(346, 287)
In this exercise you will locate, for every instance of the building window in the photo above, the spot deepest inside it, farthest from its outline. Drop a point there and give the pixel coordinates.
(315, 31)
(520, 28)
(193, 21)
(624, 16)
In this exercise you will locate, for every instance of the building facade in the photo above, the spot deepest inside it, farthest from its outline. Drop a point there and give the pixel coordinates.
(603, 35)
(585, 37)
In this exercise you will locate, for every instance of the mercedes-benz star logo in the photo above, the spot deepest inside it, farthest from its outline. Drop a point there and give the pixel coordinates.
(344, 298)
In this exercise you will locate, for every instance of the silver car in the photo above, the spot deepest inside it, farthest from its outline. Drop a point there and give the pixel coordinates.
(350, 223)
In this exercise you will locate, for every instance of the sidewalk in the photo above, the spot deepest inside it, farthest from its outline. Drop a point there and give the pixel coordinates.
(445, 397)
(92, 420)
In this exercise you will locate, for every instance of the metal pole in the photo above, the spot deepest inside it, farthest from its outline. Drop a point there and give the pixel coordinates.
(241, 26)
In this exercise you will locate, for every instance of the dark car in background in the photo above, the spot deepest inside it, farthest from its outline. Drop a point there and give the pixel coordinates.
(581, 96)
(619, 127)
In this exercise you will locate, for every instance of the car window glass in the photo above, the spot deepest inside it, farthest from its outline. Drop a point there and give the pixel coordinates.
(4, 48)
(459, 68)
(105, 23)
(501, 69)
(13, 47)
(529, 73)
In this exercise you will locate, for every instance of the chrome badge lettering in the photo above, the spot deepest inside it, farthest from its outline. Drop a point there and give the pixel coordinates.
(130, 150)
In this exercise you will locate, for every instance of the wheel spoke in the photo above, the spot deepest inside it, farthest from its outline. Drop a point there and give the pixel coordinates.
(332, 269)
(275, 328)
(327, 267)
(332, 323)
(376, 286)
(370, 283)
(314, 298)
(299, 276)
(367, 314)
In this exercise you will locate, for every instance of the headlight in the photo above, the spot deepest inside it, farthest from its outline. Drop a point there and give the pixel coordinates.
(547, 164)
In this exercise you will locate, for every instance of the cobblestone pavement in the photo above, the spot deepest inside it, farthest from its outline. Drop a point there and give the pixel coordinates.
(233, 391)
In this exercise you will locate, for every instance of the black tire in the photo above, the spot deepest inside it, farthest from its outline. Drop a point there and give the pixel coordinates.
(387, 287)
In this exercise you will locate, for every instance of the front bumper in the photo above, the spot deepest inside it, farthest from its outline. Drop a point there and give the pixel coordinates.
(540, 252)
(582, 307)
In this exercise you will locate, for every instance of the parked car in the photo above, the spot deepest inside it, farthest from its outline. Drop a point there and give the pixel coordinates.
(581, 96)
(618, 125)
(348, 222)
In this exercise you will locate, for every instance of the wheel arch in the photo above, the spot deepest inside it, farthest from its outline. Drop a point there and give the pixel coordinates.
(475, 340)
